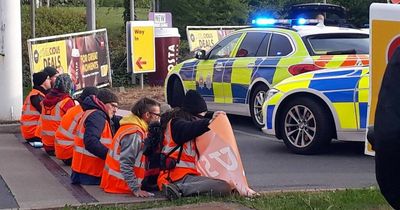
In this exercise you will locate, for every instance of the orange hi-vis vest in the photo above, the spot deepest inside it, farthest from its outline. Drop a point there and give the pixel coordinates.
(65, 134)
(83, 161)
(51, 119)
(187, 163)
(30, 116)
(112, 180)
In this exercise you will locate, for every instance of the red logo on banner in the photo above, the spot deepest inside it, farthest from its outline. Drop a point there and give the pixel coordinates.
(392, 47)
(395, 1)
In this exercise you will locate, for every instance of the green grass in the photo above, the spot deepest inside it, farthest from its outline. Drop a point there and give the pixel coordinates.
(341, 199)
(112, 18)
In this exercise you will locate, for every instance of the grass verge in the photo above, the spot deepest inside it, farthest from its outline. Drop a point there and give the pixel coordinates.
(368, 198)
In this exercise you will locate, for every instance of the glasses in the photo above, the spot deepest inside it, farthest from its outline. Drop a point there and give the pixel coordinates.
(114, 105)
(156, 114)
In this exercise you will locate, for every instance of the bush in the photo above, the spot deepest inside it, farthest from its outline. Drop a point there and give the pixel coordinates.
(49, 21)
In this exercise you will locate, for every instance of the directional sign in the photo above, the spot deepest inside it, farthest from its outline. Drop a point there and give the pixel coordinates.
(142, 46)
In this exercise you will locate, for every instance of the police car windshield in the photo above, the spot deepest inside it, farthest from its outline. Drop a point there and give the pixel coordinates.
(337, 44)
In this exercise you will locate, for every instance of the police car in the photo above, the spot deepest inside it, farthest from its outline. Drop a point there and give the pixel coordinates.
(235, 75)
(309, 110)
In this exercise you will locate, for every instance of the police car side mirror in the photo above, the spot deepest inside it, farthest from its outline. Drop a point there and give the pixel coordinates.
(200, 54)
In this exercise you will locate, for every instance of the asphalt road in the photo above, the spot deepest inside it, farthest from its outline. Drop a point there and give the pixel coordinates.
(270, 166)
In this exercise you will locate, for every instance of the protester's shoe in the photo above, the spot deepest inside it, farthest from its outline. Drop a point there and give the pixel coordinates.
(171, 191)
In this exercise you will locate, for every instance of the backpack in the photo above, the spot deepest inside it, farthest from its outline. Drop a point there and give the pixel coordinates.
(156, 161)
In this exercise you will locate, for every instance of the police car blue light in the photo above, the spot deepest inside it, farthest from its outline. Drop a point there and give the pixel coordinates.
(301, 21)
(264, 21)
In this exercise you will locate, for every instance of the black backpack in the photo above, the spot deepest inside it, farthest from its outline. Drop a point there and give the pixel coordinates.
(156, 161)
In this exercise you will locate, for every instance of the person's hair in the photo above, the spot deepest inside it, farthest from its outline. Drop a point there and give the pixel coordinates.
(143, 105)
(174, 113)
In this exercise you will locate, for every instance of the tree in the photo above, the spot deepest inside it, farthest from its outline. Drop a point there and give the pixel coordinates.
(205, 12)
(358, 10)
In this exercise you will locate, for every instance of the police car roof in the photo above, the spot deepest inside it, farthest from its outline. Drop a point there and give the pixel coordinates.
(306, 30)
(313, 30)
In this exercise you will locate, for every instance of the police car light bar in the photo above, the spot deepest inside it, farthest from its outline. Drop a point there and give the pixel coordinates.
(273, 22)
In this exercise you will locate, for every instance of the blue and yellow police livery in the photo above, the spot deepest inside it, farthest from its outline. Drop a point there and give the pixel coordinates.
(235, 75)
(309, 110)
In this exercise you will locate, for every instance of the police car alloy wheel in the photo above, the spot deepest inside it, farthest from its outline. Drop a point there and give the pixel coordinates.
(257, 100)
(305, 126)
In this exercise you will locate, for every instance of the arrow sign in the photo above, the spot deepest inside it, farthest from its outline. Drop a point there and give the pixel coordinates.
(141, 46)
(139, 63)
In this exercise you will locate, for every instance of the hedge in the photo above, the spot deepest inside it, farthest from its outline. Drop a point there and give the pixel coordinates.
(49, 21)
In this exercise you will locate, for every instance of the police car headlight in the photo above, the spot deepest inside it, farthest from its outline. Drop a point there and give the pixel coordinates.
(271, 93)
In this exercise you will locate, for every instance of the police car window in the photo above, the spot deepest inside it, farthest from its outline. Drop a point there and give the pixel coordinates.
(252, 44)
(338, 44)
(225, 47)
(280, 45)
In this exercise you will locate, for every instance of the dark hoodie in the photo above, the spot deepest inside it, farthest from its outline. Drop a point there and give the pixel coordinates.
(36, 99)
(94, 126)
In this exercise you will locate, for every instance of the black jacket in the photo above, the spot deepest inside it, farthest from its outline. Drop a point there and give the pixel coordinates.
(185, 130)
(94, 126)
(36, 99)
(387, 133)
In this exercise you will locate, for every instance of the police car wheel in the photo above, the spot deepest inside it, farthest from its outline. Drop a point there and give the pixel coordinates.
(175, 93)
(305, 126)
(258, 97)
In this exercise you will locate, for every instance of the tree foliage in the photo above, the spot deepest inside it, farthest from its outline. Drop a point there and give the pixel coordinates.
(206, 12)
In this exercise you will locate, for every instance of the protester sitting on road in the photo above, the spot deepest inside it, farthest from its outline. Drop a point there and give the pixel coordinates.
(64, 138)
(125, 164)
(32, 108)
(93, 137)
(179, 154)
(53, 74)
(54, 106)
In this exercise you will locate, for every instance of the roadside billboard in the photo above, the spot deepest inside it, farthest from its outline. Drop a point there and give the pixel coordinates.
(385, 38)
(84, 56)
(205, 37)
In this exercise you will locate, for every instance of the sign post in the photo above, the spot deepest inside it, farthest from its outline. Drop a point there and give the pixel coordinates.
(141, 47)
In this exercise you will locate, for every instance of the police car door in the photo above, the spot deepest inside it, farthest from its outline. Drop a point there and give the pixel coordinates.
(237, 78)
(362, 96)
(209, 72)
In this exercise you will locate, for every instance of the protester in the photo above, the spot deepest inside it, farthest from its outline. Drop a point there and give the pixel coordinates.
(179, 154)
(387, 133)
(31, 109)
(64, 138)
(53, 74)
(152, 150)
(93, 137)
(54, 106)
(125, 164)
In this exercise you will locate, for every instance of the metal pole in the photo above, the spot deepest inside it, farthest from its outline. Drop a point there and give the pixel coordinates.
(158, 6)
(91, 14)
(33, 28)
(11, 62)
(133, 76)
